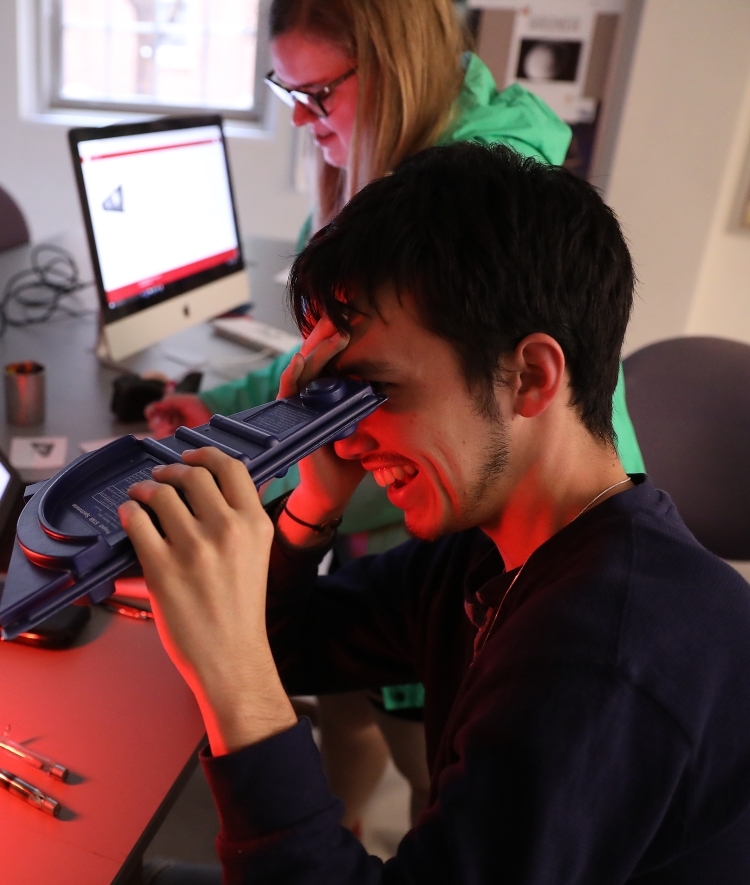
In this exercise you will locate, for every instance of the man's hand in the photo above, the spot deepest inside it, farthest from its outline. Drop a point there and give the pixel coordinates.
(318, 349)
(207, 576)
(327, 482)
(166, 415)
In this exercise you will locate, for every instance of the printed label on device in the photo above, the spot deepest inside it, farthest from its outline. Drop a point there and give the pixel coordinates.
(280, 418)
(100, 508)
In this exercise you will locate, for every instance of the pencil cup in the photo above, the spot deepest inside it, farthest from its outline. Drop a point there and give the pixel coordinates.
(24, 393)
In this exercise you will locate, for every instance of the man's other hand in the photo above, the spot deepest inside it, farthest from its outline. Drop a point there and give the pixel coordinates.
(327, 482)
(207, 577)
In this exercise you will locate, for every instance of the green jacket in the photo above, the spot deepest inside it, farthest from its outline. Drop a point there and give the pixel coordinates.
(514, 117)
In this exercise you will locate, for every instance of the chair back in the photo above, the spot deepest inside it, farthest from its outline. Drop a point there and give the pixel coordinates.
(689, 399)
(13, 229)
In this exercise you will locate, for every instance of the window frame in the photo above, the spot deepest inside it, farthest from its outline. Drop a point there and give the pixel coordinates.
(48, 14)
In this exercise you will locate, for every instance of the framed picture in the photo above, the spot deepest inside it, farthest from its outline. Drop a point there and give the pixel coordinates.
(739, 219)
(743, 215)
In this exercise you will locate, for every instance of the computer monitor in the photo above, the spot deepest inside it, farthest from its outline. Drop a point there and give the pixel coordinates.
(159, 213)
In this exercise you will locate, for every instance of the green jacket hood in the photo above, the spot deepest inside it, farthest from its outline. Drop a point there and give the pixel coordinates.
(514, 117)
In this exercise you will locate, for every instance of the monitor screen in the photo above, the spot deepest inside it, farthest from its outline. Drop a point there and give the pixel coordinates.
(4, 479)
(11, 504)
(157, 202)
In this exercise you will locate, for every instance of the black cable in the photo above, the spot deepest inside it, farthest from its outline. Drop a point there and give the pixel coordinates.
(35, 294)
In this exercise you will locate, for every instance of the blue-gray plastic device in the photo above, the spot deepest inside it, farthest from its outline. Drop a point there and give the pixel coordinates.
(69, 541)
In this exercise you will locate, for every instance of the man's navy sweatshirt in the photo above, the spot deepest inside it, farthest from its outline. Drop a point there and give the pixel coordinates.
(601, 735)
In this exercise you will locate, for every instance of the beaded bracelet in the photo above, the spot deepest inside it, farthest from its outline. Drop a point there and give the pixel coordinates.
(318, 529)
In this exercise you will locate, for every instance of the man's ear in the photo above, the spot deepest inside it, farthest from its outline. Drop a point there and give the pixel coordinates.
(537, 370)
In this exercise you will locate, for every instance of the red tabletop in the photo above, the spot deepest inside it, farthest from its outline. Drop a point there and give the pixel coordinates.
(115, 711)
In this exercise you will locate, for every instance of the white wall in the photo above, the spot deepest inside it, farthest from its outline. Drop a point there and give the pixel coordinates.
(35, 166)
(675, 151)
(721, 305)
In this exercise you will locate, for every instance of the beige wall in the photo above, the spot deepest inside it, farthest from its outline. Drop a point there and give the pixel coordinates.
(721, 305)
(676, 153)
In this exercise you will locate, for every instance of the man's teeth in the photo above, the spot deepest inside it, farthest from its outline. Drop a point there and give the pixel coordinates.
(385, 476)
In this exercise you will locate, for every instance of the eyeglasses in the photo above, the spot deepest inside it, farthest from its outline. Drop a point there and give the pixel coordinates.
(313, 101)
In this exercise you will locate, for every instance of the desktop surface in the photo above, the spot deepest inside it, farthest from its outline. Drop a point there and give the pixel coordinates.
(116, 712)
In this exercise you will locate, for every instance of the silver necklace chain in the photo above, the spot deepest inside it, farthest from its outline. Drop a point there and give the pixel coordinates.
(486, 634)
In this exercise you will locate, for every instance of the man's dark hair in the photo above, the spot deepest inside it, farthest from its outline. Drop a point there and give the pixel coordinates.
(492, 247)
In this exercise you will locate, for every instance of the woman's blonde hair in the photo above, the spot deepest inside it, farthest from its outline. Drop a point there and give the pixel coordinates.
(408, 56)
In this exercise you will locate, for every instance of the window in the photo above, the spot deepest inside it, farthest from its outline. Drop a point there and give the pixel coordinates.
(157, 56)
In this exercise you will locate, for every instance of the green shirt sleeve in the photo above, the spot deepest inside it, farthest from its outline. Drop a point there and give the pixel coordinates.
(627, 444)
(305, 233)
(260, 386)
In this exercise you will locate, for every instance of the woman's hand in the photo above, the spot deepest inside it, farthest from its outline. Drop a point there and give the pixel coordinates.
(166, 415)
(207, 578)
(327, 482)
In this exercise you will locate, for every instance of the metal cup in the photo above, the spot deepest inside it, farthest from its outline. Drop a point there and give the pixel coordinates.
(24, 393)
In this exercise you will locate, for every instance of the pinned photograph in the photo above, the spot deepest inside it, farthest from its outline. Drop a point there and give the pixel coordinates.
(547, 60)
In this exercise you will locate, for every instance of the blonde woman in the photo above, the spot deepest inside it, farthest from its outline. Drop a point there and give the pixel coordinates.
(375, 81)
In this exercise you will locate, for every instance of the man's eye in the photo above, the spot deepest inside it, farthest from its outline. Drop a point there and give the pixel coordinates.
(380, 387)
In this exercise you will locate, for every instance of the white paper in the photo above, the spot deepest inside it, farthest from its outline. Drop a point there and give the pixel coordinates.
(38, 452)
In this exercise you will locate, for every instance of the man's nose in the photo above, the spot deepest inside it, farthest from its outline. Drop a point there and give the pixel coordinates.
(359, 443)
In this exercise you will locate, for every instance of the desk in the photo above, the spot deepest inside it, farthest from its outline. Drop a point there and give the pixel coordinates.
(112, 708)
(118, 714)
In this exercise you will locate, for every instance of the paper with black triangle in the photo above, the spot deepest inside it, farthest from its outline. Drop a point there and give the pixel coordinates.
(38, 452)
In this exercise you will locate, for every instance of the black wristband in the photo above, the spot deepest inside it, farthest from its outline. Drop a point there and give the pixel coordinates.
(318, 529)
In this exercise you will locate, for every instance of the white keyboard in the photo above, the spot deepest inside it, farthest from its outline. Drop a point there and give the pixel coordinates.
(254, 334)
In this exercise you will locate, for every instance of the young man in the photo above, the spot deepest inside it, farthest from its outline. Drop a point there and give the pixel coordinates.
(586, 662)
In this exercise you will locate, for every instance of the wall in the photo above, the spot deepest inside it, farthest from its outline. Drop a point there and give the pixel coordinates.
(35, 164)
(721, 305)
(674, 153)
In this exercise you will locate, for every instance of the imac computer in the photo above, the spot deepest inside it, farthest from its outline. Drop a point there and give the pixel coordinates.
(159, 213)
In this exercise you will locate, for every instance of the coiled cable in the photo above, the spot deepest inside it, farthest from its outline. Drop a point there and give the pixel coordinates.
(37, 293)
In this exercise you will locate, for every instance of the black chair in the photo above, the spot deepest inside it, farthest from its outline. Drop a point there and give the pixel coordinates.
(689, 399)
(13, 228)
